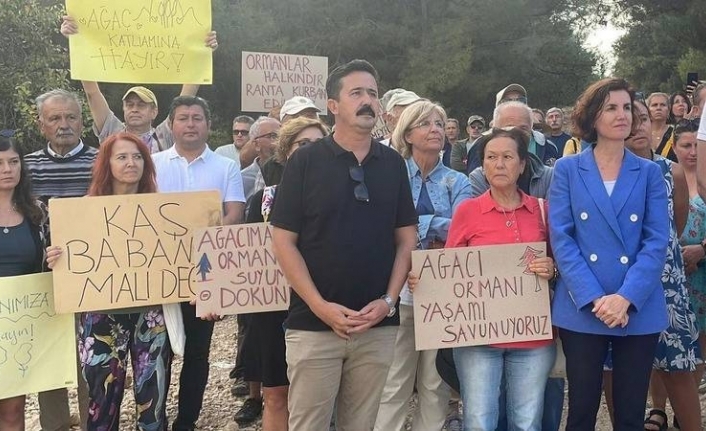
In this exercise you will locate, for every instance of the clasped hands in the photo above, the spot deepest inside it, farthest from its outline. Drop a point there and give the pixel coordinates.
(612, 310)
(346, 322)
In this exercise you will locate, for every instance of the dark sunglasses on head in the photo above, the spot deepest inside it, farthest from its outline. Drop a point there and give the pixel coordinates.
(241, 132)
(640, 96)
(360, 191)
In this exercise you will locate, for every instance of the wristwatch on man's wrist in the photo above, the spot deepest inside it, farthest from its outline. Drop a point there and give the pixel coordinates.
(390, 303)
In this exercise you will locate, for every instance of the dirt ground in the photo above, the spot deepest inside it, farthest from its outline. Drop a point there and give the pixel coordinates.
(219, 405)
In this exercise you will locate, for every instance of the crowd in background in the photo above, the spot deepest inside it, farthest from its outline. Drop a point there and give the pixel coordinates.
(612, 184)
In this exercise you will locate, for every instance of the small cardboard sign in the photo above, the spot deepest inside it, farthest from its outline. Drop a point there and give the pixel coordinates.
(479, 295)
(269, 79)
(237, 272)
(127, 250)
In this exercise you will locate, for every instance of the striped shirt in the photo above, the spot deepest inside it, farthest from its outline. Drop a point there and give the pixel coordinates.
(60, 176)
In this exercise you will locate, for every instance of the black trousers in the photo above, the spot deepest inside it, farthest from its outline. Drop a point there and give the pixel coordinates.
(194, 372)
(632, 364)
(239, 369)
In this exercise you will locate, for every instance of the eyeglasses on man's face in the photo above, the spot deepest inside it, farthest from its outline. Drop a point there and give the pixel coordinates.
(271, 136)
(237, 132)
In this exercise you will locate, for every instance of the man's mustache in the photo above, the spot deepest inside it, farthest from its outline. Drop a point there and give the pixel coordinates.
(366, 110)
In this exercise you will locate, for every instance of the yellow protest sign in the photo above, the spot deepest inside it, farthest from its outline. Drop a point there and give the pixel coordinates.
(127, 250)
(479, 295)
(236, 271)
(37, 346)
(138, 41)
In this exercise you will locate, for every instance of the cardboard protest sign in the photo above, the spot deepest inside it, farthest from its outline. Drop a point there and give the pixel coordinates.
(268, 80)
(37, 346)
(236, 271)
(140, 41)
(479, 295)
(127, 250)
(380, 130)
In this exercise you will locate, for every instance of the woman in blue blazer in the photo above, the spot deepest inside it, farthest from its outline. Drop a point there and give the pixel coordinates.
(608, 230)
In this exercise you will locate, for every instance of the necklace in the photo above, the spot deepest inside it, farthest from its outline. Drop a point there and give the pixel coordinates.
(6, 229)
(509, 221)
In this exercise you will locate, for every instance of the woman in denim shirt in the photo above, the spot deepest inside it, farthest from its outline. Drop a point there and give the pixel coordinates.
(437, 191)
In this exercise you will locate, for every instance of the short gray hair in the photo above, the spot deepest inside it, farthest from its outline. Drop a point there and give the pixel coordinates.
(255, 127)
(60, 93)
(511, 104)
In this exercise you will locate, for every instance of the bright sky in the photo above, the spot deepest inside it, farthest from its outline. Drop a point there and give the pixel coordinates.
(602, 39)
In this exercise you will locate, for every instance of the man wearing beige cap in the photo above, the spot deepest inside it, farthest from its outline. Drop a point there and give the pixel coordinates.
(511, 93)
(394, 107)
(397, 103)
(298, 106)
(459, 153)
(139, 105)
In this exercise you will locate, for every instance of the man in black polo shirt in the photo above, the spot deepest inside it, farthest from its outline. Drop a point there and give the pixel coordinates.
(345, 226)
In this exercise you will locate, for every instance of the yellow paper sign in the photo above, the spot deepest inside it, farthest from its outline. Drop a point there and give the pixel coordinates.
(236, 271)
(141, 41)
(479, 295)
(127, 250)
(37, 346)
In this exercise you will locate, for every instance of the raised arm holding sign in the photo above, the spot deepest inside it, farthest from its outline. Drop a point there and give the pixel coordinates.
(140, 106)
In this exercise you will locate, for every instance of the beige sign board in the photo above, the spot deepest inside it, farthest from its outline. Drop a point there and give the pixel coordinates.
(269, 79)
(127, 250)
(479, 295)
(37, 346)
(237, 272)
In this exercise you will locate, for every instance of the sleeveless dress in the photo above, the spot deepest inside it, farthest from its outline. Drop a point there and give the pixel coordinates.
(678, 347)
(694, 233)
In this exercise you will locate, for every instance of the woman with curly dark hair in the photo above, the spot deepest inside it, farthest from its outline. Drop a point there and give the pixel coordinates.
(22, 228)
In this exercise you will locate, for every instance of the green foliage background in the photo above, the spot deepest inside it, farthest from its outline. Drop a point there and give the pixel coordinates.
(457, 52)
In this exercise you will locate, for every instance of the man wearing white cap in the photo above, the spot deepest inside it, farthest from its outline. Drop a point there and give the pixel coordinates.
(298, 106)
(399, 100)
(139, 105)
(394, 108)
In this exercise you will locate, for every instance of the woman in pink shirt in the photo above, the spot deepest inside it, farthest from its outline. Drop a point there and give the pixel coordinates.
(503, 215)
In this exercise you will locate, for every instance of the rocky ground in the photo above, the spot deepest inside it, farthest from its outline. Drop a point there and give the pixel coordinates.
(219, 405)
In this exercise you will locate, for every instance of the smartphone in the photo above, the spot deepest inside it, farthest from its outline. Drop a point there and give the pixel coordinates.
(692, 78)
